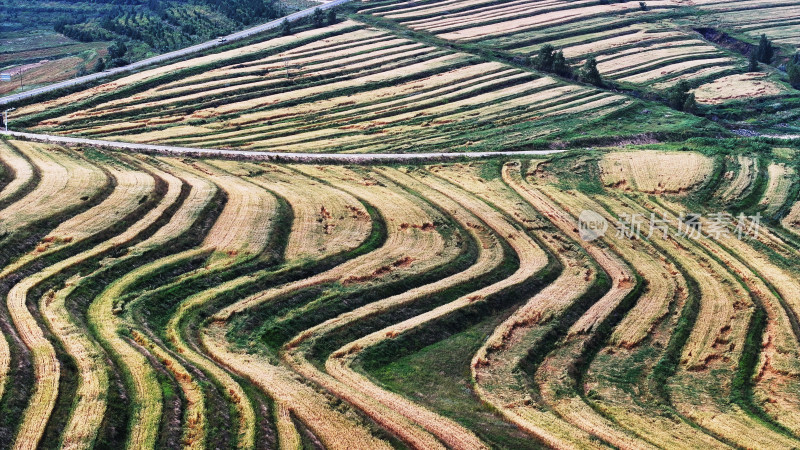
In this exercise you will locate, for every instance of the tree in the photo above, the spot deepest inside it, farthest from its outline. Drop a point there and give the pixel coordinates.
(560, 65)
(765, 52)
(331, 16)
(793, 70)
(680, 98)
(590, 74)
(689, 104)
(545, 59)
(752, 65)
(286, 28)
(117, 50)
(100, 65)
(643, 6)
(318, 18)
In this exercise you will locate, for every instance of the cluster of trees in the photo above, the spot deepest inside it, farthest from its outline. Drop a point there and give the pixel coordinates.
(761, 54)
(318, 20)
(247, 12)
(793, 70)
(765, 53)
(147, 25)
(680, 98)
(82, 32)
(115, 57)
(550, 60)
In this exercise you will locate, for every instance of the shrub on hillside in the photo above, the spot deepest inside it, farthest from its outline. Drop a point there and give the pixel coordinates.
(590, 74)
(680, 98)
(752, 65)
(318, 18)
(793, 70)
(765, 52)
(560, 65)
(545, 59)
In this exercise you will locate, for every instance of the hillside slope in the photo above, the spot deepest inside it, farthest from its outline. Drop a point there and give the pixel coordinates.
(174, 302)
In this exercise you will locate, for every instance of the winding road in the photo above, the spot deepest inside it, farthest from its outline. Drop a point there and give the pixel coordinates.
(238, 36)
(350, 158)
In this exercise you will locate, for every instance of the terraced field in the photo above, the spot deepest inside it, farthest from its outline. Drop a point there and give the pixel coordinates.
(632, 44)
(780, 20)
(400, 76)
(156, 302)
(345, 88)
(637, 290)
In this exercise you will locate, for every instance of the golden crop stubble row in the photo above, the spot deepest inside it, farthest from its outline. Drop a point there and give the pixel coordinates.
(146, 390)
(611, 39)
(495, 104)
(241, 212)
(89, 406)
(792, 220)
(418, 92)
(401, 211)
(493, 366)
(715, 343)
(638, 59)
(573, 408)
(646, 171)
(5, 361)
(780, 182)
(314, 50)
(63, 178)
(23, 171)
(748, 168)
(482, 30)
(66, 181)
(292, 397)
(90, 398)
(305, 209)
(663, 282)
(103, 319)
(46, 366)
(664, 285)
(406, 11)
(232, 389)
(387, 75)
(395, 415)
(340, 132)
(243, 226)
(326, 220)
(779, 364)
(672, 71)
(194, 415)
(532, 259)
(718, 314)
(132, 184)
(175, 67)
(330, 69)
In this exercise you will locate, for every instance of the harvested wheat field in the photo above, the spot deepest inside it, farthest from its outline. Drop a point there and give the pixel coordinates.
(361, 314)
(355, 87)
(391, 224)
(737, 87)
